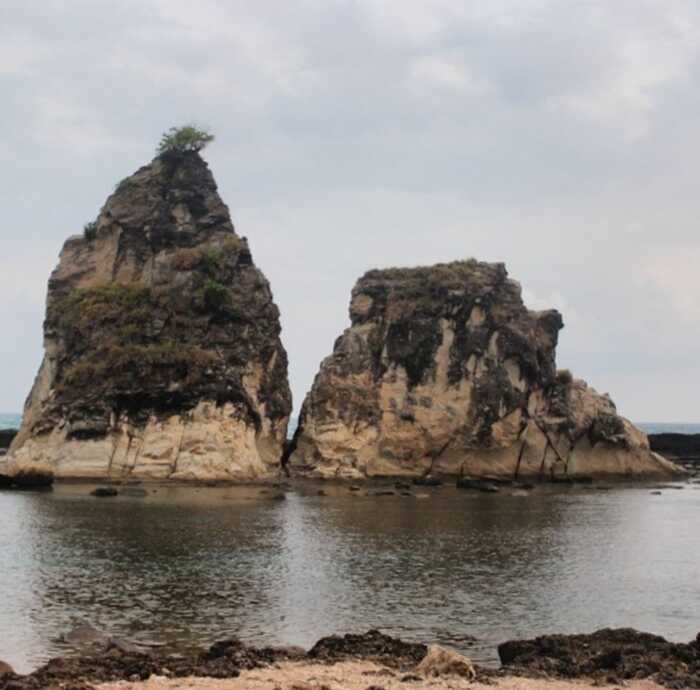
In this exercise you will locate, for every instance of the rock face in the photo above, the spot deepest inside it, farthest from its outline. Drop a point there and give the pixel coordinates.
(163, 356)
(444, 371)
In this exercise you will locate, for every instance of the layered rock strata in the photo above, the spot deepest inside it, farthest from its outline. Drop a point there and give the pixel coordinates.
(445, 371)
(163, 356)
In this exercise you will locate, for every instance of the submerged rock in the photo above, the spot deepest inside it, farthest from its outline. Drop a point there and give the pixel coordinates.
(444, 371)
(163, 356)
(104, 492)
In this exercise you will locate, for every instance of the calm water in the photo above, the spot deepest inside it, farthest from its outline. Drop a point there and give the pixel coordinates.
(192, 565)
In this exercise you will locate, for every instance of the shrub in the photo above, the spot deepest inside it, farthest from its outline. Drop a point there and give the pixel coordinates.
(111, 306)
(184, 139)
(123, 185)
(564, 377)
(115, 360)
(185, 258)
(212, 261)
(90, 230)
(215, 296)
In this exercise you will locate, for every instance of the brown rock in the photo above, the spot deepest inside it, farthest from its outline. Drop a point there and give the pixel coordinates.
(444, 371)
(444, 662)
(163, 356)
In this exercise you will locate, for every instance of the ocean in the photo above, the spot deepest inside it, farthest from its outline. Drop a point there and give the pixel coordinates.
(12, 421)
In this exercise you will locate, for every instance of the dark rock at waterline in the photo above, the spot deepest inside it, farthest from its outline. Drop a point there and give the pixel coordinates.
(677, 445)
(30, 479)
(612, 655)
(477, 485)
(681, 448)
(5, 669)
(427, 481)
(119, 661)
(240, 655)
(6, 436)
(104, 492)
(6, 481)
(371, 645)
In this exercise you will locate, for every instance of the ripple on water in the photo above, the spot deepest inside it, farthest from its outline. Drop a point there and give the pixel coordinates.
(192, 565)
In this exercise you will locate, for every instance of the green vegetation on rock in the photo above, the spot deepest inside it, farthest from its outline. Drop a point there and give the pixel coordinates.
(140, 361)
(215, 296)
(90, 231)
(178, 140)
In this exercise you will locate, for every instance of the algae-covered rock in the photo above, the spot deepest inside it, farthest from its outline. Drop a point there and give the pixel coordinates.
(443, 370)
(163, 356)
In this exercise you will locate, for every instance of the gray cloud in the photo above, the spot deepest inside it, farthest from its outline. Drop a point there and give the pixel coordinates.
(559, 137)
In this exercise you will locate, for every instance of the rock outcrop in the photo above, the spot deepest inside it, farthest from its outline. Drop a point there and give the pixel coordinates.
(445, 371)
(163, 356)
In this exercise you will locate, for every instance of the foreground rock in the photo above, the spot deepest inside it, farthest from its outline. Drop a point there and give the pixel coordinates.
(613, 656)
(163, 357)
(440, 662)
(357, 662)
(444, 371)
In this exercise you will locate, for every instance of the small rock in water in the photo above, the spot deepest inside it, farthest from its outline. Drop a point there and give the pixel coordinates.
(5, 669)
(321, 492)
(84, 635)
(355, 488)
(655, 493)
(104, 492)
(427, 481)
(476, 484)
(383, 492)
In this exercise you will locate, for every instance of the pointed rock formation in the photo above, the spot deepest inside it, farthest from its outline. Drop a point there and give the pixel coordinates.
(163, 356)
(443, 370)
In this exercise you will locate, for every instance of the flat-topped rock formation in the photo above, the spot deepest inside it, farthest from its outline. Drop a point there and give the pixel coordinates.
(445, 371)
(163, 356)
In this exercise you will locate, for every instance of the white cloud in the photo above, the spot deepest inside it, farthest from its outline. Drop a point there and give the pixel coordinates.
(558, 137)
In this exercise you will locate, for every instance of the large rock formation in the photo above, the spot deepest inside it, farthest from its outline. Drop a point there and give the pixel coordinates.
(445, 371)
(163, 357)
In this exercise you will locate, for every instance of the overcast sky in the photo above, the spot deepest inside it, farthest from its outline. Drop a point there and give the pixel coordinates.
(561, 137)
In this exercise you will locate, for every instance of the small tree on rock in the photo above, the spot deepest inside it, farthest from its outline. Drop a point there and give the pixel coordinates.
(184, 139)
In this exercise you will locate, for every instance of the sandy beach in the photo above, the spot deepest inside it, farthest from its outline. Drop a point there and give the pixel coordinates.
(353, 675)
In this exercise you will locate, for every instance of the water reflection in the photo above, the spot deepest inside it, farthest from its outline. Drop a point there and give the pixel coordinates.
(192, 566)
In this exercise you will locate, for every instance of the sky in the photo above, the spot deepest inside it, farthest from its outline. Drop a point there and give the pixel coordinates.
(558, 136)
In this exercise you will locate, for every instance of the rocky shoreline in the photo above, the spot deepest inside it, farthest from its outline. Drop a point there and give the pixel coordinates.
(608, 656)
(683, 449)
